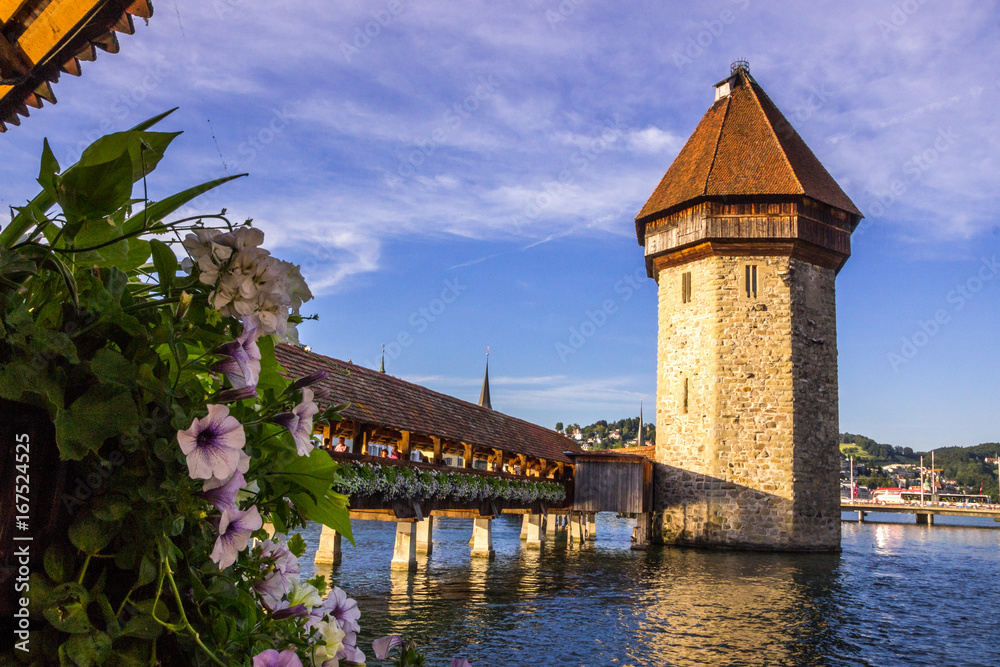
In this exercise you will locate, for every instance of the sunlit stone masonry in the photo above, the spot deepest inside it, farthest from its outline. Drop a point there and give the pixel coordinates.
(745, 235)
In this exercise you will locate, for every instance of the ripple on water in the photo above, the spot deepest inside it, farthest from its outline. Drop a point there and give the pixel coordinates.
(897, 594)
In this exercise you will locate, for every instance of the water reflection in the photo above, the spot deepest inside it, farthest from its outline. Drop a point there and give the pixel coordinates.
(605, 604)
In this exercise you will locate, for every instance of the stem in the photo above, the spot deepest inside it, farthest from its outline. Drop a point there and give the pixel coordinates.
(83, 570)
(187, 624)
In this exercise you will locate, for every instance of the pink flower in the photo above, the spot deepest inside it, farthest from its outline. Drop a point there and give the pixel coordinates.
(343, 608)
(213, 444)
(235, 529)
(277, 581)
(271, 658)
(459, 662)
(299, 422)
(383, 645)
(224, 496)
(241, 361)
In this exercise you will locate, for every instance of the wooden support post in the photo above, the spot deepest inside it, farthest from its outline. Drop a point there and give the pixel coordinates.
(404, 446)
(363, 435)
(861, 516)
(925, 519)
(551, 519)
(524, 526)
(438, 454)
(591, 526)
(482, 539)
(576, 528)
(643, 528)
(404, 553)
(329, 552)
(467, 456)
(535, 535)
(425, 536)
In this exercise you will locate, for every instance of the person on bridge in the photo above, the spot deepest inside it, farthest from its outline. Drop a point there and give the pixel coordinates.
(341, 445)
(393, 454)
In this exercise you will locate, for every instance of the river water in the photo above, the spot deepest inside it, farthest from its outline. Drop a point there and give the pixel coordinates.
(898, 594)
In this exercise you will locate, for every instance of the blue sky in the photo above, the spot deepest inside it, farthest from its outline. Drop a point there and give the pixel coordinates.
(454, 176)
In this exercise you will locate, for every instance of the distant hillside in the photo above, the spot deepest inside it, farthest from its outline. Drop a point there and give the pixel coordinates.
(603, 434)
(966, 465)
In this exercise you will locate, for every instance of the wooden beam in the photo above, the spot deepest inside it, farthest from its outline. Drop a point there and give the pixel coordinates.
(8, 8)
(468, 455)
(376, 515)
(438, 456)
(56, 21)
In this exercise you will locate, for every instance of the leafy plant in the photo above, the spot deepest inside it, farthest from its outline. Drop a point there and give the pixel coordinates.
(162, 375)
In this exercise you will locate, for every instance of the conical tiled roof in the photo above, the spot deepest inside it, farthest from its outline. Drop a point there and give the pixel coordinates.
(742, 146)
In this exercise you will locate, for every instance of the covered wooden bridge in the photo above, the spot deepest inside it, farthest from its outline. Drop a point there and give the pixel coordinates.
(437, 433)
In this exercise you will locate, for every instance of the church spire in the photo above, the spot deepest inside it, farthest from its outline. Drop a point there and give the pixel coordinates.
(381, 368)
(638, 440)
(484, 395)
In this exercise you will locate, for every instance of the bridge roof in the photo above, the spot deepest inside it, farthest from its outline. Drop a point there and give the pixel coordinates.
(383, 400)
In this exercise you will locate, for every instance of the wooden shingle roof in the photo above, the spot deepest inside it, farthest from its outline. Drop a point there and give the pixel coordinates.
(384, 400)
(40, 39)
(743, 146)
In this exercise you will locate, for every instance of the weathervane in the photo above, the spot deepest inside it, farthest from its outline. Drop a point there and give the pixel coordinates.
(739, 64)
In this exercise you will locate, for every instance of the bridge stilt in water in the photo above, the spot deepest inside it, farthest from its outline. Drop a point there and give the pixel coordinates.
(404, 553)
(591, 526)
(482, 539)
(534, 535)
(551, 520)
(576, 528)
(329, 552)
(643, 528)
(425, 536)
(925, 519)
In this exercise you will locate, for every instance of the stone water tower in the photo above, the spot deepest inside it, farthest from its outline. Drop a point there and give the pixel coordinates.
(745, 235)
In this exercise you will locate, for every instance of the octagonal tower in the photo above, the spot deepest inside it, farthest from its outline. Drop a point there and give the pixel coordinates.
(745, 235)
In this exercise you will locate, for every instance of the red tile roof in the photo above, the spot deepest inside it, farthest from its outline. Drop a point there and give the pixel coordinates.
(383, 400)
(742, 146)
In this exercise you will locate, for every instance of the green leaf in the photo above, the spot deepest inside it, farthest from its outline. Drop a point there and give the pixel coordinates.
(58, 563)
(143, 626)
(297, 545)
(270, 370)
(330, 510)
(68, 608)
(103, 412)
(49, 169)
(110, 367)
(315, 472)
(164, 261)
(147, 572)
(95, 190)
(157, 211)
(112, 508)
(90, 535)
(85, 650)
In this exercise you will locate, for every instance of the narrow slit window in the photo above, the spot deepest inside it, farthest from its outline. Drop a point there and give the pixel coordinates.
(686, 287)
(751, 281)
(684, 403)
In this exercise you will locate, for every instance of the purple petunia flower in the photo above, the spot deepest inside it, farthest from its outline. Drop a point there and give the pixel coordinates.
(308, 380)
(224, 496)
(213, 444)
(351, 652)
(460, 662)
(299, 422)
(278, 581)
(235, 529)
(233, 395)
(343, 608)
(383, 645)
(241, 362)
(271, 658)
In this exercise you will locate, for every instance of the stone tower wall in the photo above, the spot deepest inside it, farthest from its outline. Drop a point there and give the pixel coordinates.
(751, 462)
